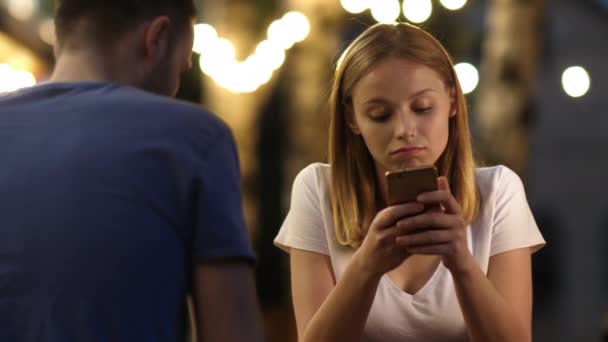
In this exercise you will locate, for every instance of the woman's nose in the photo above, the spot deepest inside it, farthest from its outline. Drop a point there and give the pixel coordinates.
(405, 126)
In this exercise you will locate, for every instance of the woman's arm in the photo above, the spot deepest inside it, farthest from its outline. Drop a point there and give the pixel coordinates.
(497, 307)
(330, 311)
(324, 311)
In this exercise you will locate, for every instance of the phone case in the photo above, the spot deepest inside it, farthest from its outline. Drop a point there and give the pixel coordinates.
(405, 185)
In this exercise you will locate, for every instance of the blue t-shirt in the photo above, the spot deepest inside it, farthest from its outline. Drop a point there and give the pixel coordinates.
(108, 196)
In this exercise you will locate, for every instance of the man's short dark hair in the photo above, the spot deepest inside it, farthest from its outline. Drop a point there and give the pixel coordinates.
(106, 20)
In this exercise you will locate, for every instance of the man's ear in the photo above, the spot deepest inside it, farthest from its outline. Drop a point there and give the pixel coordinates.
(350, 119)
(453, 102)
(156, 39)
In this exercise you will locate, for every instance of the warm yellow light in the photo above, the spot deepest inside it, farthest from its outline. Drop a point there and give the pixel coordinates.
(11, 79)
(22, 9)
(228, 77)
(46, 30)
(417, 11)
(385, 11)
(23, 79)
(298, 25)
(5, 78)
(218, 61)
(576, 81)
(269, 53)
(355, 6)
(204, 38)
(220, 57)
(467, 76)
(279, 33)
(253, 75)
(453, 5)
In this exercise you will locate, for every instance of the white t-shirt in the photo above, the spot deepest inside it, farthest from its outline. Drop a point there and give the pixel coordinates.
(504, 223)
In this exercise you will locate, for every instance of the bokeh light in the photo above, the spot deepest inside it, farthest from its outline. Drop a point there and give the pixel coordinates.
(453, 5)
(355, 6)
(417, 11)
(14, 79)
(576, 81)
(467, 76)
(385, 11)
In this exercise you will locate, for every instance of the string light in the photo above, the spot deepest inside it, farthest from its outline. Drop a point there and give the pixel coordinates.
(218, 56)
(385, 11)
(453, 5)
(417, 11)
(576, 81)
(355, 6)
(22, 9)
(13, 79)
(467, 76)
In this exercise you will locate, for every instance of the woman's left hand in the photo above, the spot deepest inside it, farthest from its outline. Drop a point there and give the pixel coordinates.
(440, 231)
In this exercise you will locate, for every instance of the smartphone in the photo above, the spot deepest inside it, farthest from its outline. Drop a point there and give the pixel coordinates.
(405, 185)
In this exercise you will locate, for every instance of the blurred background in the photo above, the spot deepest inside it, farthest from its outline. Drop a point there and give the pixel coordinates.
(533, 72)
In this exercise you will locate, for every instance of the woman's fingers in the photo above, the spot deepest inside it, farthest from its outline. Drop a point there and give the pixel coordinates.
(442, 197)
(388, 216)
(433, 220)
(439, 249)
(427, 237)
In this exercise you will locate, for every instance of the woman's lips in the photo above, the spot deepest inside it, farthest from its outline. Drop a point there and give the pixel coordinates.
(407, 151)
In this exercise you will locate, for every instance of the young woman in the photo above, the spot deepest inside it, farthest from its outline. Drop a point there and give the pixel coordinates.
(365, 271)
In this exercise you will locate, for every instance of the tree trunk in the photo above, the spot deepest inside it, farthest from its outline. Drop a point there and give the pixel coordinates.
(510, 57)
(234, 20)
(310, 69)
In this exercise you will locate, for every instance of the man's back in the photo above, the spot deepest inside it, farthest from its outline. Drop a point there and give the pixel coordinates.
(104, 204)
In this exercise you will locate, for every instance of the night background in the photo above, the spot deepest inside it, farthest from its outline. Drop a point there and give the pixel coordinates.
(536, 74)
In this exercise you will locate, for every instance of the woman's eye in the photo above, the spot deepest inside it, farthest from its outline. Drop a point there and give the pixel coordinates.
(423, 109)
(379, 116)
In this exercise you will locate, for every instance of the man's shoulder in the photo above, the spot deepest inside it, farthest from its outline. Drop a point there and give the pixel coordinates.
(139, 102)
(160, 116)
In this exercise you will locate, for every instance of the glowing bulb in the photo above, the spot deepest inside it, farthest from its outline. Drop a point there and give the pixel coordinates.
(298, 25)
(228, 78)
(11, 79)
(417, 11)
(224, 49)
(22, 9)
(269, 53)
(279, 33)
(5, 77)
(219, 58)
(253, 75)
(218, 61)
(576, 81)
(204, 37)
(46, 30)
(355, 6)
(385, 11)
(22, 79)
(453, 5)
(467, 76)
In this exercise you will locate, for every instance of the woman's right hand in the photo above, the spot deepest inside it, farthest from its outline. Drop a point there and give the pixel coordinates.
(379, 253)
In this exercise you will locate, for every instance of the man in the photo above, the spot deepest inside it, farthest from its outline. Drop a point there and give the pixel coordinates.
(117, 202)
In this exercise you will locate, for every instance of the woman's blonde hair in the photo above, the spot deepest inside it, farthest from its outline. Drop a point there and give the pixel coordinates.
(355, 194)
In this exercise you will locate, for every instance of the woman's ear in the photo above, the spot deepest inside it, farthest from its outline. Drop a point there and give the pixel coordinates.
(453, 102)
(351, 120)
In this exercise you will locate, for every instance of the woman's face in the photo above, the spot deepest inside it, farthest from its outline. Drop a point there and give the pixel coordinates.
(402, 109)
